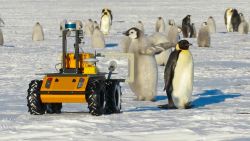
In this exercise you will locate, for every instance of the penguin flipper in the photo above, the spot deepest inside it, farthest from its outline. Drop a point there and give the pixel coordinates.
(169, 69)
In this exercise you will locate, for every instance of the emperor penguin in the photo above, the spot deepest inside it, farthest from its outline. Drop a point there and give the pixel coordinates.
(232, 19)
(89, 27)
(203, 38)
(145, 67)
(140, 26)
(106, 21)
(227, 19)
(211, 24)
(37, 34)
(235, 20)
(1, 38)
(97, 39)
(193, 30)
(178, 76)
(160, 25)
(244, 26)
(186, 27)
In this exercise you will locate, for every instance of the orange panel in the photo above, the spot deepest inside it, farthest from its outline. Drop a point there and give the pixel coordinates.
(64, 83)
(46, 98)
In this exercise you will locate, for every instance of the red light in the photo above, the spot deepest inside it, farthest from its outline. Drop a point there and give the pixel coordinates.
(49, 79)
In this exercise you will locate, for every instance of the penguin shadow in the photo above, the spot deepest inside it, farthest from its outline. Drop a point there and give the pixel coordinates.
(8, 46)
(144, 108)
(214, 96)
(111, 45)
(160, 97)
(223, 32)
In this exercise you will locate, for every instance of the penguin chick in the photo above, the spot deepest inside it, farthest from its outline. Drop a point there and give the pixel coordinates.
(204, 36)
(97, 39)
(160, 25)
(140, 26)
(173, 34)
(89, 27)
(211, 24)
(145, 67)
(243, 27)
(37, 34)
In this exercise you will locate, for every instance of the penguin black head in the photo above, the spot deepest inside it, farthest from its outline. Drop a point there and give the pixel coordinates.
(183, 45)
(159, 18)
(133, 33)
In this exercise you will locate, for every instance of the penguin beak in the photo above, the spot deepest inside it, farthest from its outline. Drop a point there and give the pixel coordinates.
(125, 33)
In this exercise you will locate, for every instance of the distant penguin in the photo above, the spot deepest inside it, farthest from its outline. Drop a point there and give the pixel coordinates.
(157, 39)
(173, 34)
(145, 69)
(160, 25)
(211, 24)
(232, 19)
(37, 34)
(1, 38)
(242, 18)
(227, 19)
(203, 38)
(140, 26)
(106, 21)
(96, 24)
(1, 22)
(235, 20)
(79, 25)
(97, 39)
(170, 23)
(89, 27)
(244, 26)
(193, 31)
(186, 26)
(178, 76)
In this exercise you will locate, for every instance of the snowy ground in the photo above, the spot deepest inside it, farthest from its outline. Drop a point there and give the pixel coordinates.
(221, 86)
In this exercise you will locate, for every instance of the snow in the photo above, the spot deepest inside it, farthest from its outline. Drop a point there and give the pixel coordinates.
(221, 92)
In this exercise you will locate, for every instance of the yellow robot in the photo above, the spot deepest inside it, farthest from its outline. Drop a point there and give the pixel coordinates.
(78, 81)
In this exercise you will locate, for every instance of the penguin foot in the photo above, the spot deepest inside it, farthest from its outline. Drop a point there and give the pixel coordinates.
(166, 106)
(189, 105)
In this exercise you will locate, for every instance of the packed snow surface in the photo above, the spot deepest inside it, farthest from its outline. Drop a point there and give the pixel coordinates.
(221, 95)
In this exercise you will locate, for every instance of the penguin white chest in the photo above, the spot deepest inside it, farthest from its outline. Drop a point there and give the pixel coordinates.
(183, 79)
(229, 24)
(105, 24)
